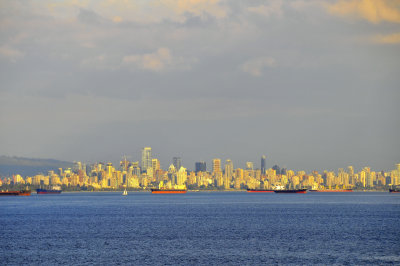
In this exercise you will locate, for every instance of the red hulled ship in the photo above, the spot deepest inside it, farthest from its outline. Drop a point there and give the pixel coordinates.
(15, 193)
(260, 190)
(167, 191)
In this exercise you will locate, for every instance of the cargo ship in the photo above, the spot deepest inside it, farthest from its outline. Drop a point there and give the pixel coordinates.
(167, 191)
(26, 192)
(54, 190)
(300, 191)
(332, 190)
(162, 189)
(15, 193)
(260, 190)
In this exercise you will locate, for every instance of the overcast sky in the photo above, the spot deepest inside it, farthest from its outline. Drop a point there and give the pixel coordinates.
(311, 84)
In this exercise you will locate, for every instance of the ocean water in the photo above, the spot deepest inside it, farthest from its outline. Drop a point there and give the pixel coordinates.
(224, 228)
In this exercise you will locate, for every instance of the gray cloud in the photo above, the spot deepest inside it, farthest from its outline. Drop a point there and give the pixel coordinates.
(229, 79)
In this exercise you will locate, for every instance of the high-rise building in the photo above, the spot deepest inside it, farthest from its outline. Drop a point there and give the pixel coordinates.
(109, 170)
(146, 159)
(350, 170)
(263, 164)
(177, 162)
(277, 169)
(249, 166)
(172, 174)
(200, 167)
(181, 176)
(228, 168)
(216, 165)
(155, 164)
(283, 171)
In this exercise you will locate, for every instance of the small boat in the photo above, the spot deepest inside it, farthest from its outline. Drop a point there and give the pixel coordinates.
(125, 193)
(396, 190)
(260, 190)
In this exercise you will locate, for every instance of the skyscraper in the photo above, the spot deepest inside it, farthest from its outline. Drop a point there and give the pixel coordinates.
(249, 166)
(200, 166)
(146, 159)
(350, 170)
(155, 164)
(216, 163)
(228, 168)
(263, 164)
(177, 162)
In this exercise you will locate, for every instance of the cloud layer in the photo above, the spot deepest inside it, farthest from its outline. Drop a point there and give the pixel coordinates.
(371, 10)
(306, 82)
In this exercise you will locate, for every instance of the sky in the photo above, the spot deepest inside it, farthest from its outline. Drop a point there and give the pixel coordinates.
(310, 84)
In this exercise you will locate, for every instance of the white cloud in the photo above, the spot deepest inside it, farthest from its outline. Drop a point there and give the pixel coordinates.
(273, 8)
(197, 7)
(387, 39)
(99, 62)
(10, 53)
(157, 61)
(375, 11)
(255, 66)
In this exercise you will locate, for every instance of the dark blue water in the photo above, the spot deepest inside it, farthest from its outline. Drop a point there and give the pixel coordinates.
(236, 228)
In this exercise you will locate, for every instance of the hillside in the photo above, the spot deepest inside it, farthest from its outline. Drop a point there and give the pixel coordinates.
(29, 166)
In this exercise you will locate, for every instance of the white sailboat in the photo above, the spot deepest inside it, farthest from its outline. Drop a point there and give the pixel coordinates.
(125, 193)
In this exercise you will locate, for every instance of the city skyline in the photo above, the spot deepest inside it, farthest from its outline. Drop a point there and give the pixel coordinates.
(141, 175)
(146, 160)
(310, 84)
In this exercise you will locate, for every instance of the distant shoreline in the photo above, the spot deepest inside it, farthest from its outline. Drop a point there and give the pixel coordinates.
(218, 191)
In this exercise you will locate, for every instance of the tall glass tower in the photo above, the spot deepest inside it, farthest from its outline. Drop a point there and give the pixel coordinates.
(228, 168)
(200, 166)
(146, 159)
(177, 162)
(263, 164)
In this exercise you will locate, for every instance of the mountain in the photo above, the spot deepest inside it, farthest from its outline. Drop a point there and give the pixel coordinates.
(29, 166)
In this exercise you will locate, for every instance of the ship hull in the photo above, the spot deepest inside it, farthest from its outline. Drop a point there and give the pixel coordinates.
(15, 193)
(47, 191)
(25, 193)
(168, 191)
(333, 190)
(260, 191)
(297, 191)
(9, 193)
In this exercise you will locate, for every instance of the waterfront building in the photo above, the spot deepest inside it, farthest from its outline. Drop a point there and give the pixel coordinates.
(181, 176)
(172, 174)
